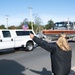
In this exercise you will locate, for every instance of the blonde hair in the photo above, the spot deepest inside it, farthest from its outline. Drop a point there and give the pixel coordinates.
(63, 43)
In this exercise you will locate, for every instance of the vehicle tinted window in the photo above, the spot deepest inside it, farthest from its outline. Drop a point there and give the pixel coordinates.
(31, 32)
(6, 34)
(22, 33)
(63, 24)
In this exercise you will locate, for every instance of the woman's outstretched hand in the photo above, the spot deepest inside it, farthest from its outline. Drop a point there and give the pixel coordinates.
(31, 36)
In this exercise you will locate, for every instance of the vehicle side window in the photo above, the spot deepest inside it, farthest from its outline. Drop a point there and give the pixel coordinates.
(6, 34)
(23, 33)
(31, 32)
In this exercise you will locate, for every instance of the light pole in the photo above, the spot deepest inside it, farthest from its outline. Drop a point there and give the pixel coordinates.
(68, 24)
(7, 20)
(30, 9)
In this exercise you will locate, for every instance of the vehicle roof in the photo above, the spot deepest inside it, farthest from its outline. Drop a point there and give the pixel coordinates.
(16, 30)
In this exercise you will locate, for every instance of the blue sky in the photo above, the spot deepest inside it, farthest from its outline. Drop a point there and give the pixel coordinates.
(57, 10)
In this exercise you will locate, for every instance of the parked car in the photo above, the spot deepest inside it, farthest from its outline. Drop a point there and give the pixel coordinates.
(40, 35)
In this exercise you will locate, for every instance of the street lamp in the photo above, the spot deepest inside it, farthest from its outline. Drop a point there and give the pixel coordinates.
(30, 9)
(68, 23)
(7, 20)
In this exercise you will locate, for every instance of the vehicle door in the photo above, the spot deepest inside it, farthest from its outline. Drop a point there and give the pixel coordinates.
(6, 41)
(21, 38)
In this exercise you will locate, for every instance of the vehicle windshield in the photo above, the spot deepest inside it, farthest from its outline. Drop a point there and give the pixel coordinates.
(60, 25)
(63, 25)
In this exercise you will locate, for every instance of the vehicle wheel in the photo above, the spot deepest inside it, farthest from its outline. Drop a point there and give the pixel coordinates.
(29, 46)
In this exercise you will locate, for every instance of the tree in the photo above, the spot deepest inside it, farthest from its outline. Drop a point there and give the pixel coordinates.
(25, 21)
(37, 23)
(2, 27)
(29, 25)
(12, 27)
(37, 20)
(49, 25)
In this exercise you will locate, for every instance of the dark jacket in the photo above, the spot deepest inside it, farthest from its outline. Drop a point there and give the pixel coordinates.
(60, 60)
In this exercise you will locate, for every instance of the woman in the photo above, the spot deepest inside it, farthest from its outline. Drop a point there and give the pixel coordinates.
(60, 54)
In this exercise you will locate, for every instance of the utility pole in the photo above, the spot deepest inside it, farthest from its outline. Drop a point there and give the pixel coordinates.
(68, 23)
(30, 10)
(7, 20)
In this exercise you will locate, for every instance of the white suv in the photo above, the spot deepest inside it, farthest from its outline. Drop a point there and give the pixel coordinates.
(10, 39)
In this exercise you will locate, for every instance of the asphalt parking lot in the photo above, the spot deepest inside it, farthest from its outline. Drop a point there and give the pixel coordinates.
(36, 62)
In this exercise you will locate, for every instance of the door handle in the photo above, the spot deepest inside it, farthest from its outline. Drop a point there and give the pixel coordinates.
(11, 39)
(0, 40)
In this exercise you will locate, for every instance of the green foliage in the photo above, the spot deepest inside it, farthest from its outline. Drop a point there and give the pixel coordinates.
(36, 26)
(19, 27)
(2, 27)
(12, 27)
(29, 25)
(49, 25)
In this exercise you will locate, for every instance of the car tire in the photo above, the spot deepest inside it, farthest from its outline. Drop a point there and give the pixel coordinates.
(29, 46)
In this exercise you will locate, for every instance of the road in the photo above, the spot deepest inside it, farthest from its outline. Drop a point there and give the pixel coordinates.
(36, 62)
